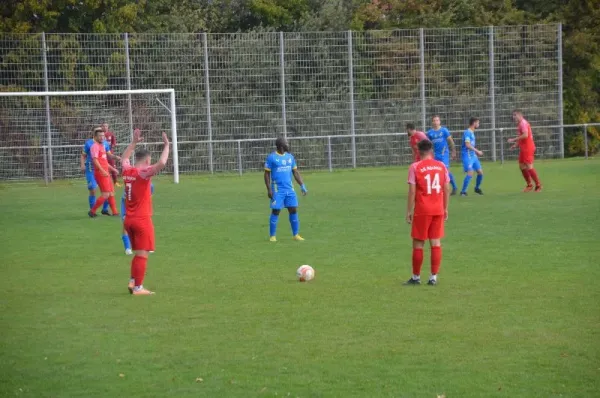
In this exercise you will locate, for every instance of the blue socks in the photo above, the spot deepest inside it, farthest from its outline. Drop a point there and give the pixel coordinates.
(92, 200)
(452, 182)
(273, 224)
(126, 242)
(466, 183)
(295, 223)
(105, 206)
(478, 181)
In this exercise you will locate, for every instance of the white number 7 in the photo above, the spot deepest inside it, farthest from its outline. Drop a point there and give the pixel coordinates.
(128, 190)
(433, 185)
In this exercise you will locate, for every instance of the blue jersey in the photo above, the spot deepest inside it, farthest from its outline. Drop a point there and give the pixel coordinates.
(87, 150)
(439, 138)
(281, 167)
(468, 137)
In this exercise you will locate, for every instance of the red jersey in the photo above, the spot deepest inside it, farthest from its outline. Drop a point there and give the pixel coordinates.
(99, 152)
(525, 144)
(429, 177)
(111, 138)
(138, 194)
(417, 137)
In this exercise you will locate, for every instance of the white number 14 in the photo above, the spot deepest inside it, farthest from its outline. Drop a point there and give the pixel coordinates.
(433, 185)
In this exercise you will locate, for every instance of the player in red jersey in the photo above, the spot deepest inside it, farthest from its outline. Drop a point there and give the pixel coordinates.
(427, 209)
(111, 138)
(415, 137)
(138, 205)
(101, 174)
(524, 140)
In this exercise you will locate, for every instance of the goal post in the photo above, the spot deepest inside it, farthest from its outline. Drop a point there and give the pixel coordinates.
(42, 132)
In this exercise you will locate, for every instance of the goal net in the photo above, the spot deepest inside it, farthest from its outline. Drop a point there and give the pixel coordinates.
(42, 133)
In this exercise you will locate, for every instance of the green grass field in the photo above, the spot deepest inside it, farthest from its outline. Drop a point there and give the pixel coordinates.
(516, 312)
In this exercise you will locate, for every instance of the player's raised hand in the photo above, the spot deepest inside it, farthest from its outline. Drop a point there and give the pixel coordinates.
(137, 136)
(409, 218)
(165, 138)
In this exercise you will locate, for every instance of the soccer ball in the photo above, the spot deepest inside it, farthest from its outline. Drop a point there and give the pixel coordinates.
(305, 273)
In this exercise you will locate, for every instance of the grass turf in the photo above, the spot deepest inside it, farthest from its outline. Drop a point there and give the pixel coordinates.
(515, 313)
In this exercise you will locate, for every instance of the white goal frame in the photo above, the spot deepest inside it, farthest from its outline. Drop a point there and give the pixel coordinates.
(171, 108)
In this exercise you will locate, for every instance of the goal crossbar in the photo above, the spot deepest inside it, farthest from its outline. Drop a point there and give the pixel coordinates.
(172, 110)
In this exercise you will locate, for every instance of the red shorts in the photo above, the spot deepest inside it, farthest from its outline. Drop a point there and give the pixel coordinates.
(526, 156)
(104, 183)
(141, 233)
(427, 227)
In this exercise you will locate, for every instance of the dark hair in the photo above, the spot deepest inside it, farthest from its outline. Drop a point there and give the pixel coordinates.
(473, 120)
(434, 116)
(410, 126)
(517, 111)
(424, 146)
(281, 143)
(141, 154)
(97, 130)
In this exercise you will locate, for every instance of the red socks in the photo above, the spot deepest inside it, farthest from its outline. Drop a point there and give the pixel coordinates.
(138, 269)
(436, 259)
(99, 202)
(526, 176)
(113, 204)
(534, 176)
(417, 261)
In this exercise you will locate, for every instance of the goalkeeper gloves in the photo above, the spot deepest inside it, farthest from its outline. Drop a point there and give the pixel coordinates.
(303, 188)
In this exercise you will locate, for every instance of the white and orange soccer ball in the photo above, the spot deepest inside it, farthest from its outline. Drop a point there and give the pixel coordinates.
(305, 273)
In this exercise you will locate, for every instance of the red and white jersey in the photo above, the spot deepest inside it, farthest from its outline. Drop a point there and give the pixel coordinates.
(99, 152)
(525, 144)
(112, 140)
(417, 137)
(138, 194)
(429, 177)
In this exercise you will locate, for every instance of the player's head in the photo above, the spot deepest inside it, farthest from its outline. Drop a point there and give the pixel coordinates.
(410, 128)
(474, 123)
(104, 127)
(98, 134)
(517, 116)
(436, 121)
(282, 145)
(425, 149)
(143, 157)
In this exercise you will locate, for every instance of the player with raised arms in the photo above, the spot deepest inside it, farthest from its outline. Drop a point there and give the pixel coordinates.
(470, 158)
(99, 152)
(415, 136)
(280, 167)
(442, 144)
(138, 204)
(427, 210)
(524, 140)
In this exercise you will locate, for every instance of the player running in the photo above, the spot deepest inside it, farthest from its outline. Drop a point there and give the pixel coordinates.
(524, 140)
(470, 158)
(138, 204)
(426, 210)
(111, 138)
(415, 137)
(280, 166)
(93, 145)
(442, 144)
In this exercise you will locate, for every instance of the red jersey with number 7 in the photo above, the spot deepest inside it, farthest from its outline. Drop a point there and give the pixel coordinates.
(138, 191)
(429, 177)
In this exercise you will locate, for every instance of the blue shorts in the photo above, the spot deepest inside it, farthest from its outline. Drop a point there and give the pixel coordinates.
(471, 164)
(444, 159)
(91, 181)
(284, 199)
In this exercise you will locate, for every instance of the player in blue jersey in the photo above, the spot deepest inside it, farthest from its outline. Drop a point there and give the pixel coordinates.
(470, 158)
(442, 145)
(280, 167)
(87, 166)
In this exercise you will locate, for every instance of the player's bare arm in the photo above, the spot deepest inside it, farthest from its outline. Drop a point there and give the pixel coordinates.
(82, 161)
(410, 202)
(452, 146)
(164, 156)
(113, 156)
(299, 180)
(137, 137)
(472, 148)
(268, 184)
(447, 192)
(521, 136)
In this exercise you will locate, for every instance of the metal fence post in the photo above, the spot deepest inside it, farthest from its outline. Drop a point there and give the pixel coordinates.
(45, 165)
(47, 98)
(351, 81)
(502, 146)
(329, 154)
(585, 140)
(422, 62)
(282, 78)
(560, 93)
(208, 113)
(128, 75)
(492, 93)
(239, 149)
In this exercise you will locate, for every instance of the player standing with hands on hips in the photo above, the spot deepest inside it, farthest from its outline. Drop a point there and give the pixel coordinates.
(280, 166)
(138, 204)
(524, 140)
(427, 210)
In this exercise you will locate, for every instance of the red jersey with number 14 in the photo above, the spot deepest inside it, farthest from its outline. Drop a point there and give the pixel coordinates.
(138, 191)
(429, 177)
